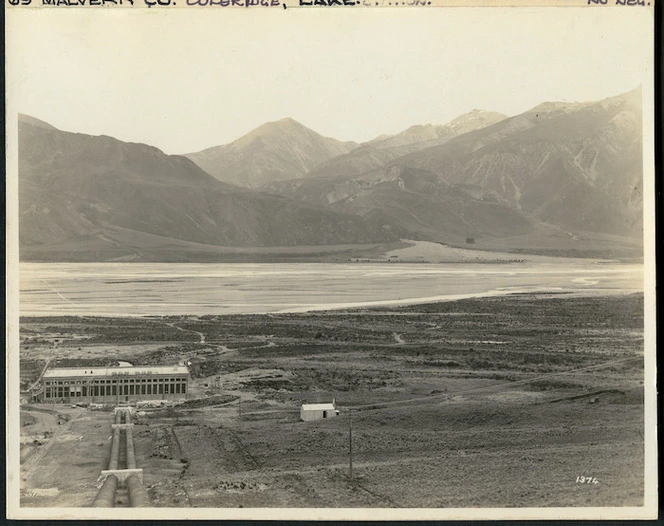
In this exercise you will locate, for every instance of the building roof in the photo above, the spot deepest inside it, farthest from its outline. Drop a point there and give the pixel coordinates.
(318, 407)
(60, 372)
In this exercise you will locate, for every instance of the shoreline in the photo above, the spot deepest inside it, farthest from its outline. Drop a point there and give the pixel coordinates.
(403, 251)
(357, 308)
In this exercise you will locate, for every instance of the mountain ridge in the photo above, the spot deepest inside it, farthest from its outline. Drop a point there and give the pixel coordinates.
(276, 150)
(575, 166)
(431, 134)
(377, 152)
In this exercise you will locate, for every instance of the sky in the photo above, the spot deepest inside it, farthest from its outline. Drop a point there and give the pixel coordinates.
(186, 79)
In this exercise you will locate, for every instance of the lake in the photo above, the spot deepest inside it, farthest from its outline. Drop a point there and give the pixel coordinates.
(151, 289)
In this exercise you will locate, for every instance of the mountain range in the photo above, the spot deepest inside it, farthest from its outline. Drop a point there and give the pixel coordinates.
(559, 177)
(572, 167)
(94, 194)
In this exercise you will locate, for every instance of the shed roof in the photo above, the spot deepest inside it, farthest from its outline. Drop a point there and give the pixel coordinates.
(318, 407)
(60, 372)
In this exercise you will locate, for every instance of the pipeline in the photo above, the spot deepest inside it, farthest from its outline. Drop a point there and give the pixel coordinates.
(115, 449)
(106, 496)
(138, 495)
(131, 454)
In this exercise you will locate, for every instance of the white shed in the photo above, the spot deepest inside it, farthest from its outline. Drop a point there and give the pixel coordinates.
(309, 412)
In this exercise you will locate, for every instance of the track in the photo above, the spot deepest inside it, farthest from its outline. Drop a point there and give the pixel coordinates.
(36, 459)
(430, 399)
(200, 334)
(41, 375)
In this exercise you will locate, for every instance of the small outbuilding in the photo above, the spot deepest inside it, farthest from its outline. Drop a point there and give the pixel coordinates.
(310, 412)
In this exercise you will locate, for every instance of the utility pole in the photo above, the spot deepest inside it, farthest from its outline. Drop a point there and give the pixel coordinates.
(350, 444)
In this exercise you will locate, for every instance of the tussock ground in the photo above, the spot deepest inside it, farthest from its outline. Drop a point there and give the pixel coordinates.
(483, 402)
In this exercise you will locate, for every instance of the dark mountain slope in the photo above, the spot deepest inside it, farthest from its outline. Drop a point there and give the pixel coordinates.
(74, 186)
(418, 205)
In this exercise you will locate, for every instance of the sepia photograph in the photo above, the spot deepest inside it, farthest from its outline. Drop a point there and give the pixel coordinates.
(388, 262)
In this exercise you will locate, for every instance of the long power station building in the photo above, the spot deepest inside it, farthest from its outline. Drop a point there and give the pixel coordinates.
(113, 384)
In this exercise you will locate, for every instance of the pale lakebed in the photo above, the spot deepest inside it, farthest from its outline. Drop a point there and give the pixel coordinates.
(162, 289)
